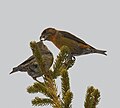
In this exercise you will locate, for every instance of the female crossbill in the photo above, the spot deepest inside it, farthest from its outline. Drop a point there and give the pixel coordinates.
(31, 66)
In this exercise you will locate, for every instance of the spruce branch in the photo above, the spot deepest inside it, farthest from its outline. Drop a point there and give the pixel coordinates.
(38, 56)
(49, 89)
(52, 90)
(41, 101)
(92, 97)
(67, 100)
(67, 96)
(38, 87)
(64, 82)
(62, 61)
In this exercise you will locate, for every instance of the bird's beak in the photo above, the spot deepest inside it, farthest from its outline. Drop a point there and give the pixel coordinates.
(11, 72)
(43, 37)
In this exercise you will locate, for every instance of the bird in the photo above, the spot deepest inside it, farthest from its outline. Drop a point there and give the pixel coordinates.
(31, 66)
(63, 38)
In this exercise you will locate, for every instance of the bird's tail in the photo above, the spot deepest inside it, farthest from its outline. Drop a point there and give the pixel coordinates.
(100, 52)
(14, 70)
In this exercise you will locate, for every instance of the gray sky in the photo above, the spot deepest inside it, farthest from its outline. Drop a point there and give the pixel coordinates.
(95, 21)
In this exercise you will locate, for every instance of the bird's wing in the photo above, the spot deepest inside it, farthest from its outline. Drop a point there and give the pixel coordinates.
(71, 36)
(27, 61)
(23, 66)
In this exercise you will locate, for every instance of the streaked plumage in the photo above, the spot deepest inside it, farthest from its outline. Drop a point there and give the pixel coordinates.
(31, 66)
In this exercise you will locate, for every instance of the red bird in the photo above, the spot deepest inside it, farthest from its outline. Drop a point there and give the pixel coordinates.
(77, 46)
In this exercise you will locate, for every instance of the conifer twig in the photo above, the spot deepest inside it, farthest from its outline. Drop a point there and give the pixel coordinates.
(41, 101)
(38, 56)
(64, 81)
(62, 61)
(92, 97)
(67, 96)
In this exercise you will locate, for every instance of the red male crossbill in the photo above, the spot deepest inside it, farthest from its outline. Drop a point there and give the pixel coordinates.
(31, 66)
(76, 45)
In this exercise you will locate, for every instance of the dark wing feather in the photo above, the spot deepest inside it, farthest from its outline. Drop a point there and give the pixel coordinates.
(71, 36)
(27, 61)
(23, 66)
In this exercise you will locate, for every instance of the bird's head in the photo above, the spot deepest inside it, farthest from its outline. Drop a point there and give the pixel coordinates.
(47, 34)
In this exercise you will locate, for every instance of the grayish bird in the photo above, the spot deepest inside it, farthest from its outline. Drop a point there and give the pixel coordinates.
(31, 66)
